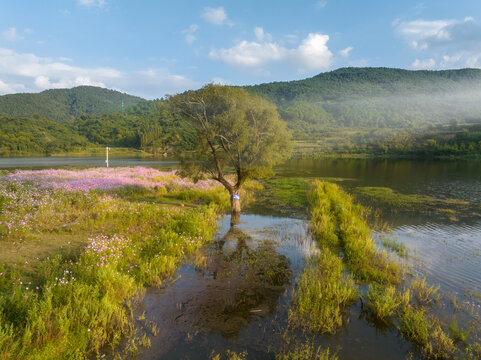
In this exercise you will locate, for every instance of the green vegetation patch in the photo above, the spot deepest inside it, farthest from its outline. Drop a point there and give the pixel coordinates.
(412, 202)
(322, 292)
(77, 260)
(288, 191)
(340, 225)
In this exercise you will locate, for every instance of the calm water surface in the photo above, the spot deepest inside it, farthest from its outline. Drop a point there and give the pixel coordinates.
(225, 302)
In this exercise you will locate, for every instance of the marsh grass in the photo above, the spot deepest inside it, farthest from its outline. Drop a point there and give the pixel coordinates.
(288, 191)
(424, 294)
(383, 301)
(426, 331)
(384, 196)
(229, 355)
(308, 351)
(340, 225)
(322, 293)
(458, 334)
(398, 247)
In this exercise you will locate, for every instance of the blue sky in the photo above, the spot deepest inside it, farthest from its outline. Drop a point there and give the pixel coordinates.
(153, 48)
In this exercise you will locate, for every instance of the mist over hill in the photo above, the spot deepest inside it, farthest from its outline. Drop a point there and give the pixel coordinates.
(354, 110)
(376, 98)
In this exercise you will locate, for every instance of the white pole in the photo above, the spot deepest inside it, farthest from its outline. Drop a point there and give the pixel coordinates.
(107, 156)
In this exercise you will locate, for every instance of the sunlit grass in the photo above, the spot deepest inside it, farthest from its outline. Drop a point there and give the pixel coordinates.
(77, 256)
(340, 225)
(321, 295)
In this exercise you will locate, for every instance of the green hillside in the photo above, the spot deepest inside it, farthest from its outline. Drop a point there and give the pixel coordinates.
(375, 98)
(349, 110)
(65, 104)
(23, 135)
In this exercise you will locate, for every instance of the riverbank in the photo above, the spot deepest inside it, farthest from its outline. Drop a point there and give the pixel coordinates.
(87, 151)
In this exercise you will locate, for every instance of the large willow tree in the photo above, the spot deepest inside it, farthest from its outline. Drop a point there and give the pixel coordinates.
(234, 131)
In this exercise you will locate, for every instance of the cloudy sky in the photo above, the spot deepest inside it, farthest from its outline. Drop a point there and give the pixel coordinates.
(152, 48)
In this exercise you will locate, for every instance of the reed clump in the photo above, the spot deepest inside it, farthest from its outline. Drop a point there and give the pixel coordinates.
(323, 290)
(340, 225)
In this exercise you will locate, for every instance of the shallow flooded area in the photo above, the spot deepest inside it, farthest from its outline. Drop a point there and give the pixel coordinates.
(236, 292)
(235, 295)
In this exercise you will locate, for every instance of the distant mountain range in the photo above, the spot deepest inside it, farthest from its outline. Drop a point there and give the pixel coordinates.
(66, 104)
(346, 108)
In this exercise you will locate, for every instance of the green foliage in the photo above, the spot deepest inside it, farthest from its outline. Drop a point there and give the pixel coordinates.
(288, 191)
(398, 247)
(73, 304)
(21, 135)
(425, 331)
(63, 105)
(340, 225)
(458, 334)
(308, 351)
(423, 293)
(383, 301)
(322, 293)
(230, 355)
(232, 129)
(374, 98)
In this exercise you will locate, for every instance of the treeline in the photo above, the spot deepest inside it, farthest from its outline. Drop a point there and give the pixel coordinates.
(22, 135)
(148, 126)
(437, 141)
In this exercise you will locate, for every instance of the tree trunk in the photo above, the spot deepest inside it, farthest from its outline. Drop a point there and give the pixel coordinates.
(235, 208)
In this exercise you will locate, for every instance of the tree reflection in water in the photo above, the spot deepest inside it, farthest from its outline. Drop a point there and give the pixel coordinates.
(243, 281)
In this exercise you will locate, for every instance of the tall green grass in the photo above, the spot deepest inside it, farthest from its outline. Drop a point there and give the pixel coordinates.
(340, 225)
(322, 293)
(75, 304)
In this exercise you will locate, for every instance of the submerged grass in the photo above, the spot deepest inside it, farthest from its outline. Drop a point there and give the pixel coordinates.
(412, 202)
(308, 351)
(340, 227)
(322, 293)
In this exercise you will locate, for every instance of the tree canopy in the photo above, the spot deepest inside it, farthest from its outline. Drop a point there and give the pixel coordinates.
(234, 130)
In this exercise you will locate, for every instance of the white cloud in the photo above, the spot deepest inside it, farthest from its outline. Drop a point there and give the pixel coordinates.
(449, 42)
(311, 54)
(250, 54)
(321, 4)
(216, 16)
(261, 35)
(44, 73)
(11, 35)
(29, 73)
(426, 64)
(89, 3)
(189, 33)
(8, 88)
(158, 82)
(345, 52)
(43, 82)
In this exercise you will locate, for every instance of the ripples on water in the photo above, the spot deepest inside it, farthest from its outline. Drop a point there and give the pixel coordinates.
(450, 255)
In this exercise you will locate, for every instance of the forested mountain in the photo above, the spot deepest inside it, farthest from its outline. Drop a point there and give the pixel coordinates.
(374, 110)
(375, 98)
(65, 104)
